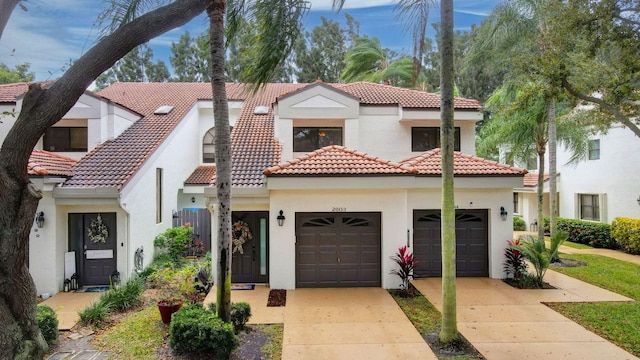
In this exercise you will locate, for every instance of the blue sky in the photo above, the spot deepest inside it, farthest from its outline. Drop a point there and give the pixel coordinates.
(51, 33)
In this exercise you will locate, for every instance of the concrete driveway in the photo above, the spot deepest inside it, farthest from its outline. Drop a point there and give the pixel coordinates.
(505, 323)
(352, 323)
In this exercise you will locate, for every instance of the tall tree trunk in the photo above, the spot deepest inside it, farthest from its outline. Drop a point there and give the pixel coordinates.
(6, 8)
(449, 331)
(553, 193)
(216, 11)
(540, 192)
(20, 336)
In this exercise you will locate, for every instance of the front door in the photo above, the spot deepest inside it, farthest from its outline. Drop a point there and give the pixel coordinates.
(93, 237)
(250, 231)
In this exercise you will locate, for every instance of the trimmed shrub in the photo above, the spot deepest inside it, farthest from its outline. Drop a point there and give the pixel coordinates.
(195, 329)
(94, 314)
(519, 224)
(48, 323)
(175, 241)
(626, 232)
(125, 296)
(589, 233)
(240, 314)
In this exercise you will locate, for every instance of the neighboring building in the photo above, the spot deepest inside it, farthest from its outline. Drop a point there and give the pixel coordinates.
(604, 186)
(354, 169)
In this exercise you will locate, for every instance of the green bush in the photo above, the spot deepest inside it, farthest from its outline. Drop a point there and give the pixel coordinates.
(519, 224)
(195, 329)
(586, 232)
(125, 296)
(240, 314)
(48, 323)
(94, 314)
(175, 241)
(540, 257)
(626, 232)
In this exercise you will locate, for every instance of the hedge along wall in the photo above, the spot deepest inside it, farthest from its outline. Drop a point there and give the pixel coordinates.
(585, 232)
(626, 232)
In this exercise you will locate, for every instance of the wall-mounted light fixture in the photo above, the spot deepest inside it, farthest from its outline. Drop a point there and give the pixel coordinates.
(40, 219)
(193, 199)
(174, 214)
(280, 218)
(638, 199)
(503, 213)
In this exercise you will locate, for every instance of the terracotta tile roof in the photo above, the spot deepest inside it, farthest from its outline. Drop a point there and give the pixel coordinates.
(531, 179)
(255, 148)
(42, 163)
(429, 163)
(202, 175)
(9, 92)
(378, 94)
(338, 160)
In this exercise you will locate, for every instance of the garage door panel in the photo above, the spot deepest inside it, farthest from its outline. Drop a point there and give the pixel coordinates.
(471, 243)
(353, 238)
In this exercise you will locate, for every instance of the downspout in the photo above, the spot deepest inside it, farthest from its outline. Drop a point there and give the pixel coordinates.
(128, 266)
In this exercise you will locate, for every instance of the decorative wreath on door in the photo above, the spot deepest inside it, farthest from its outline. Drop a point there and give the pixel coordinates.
(240, 234)
(98, 231)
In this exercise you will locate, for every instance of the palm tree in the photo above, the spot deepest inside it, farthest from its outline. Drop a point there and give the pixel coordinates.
(449, 330)
(518, 30)
(520, 120)
(365, 61)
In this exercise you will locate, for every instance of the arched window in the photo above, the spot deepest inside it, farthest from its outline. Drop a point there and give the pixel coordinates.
(208, 146)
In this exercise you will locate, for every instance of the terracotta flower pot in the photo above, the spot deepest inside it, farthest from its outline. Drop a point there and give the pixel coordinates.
(167, 308)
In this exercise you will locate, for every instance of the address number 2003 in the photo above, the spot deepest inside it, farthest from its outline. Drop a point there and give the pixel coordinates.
(338, 209)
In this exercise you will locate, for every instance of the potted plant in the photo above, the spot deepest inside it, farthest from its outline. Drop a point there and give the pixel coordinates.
(170, 300)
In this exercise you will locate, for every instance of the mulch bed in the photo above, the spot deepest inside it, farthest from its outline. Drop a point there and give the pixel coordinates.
(518, 285)
(277, 298)
(462, 348)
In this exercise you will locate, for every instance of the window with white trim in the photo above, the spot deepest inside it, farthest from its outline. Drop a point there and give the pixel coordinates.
(158, 195)
(594, 149)
(209, 146)
(307, 139)
(516, 202)
(589, 207)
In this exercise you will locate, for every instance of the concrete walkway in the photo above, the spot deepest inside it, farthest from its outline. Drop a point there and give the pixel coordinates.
(353, 323)
(67, 304)
(505, 323)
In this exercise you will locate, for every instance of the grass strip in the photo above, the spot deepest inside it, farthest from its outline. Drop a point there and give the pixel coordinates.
(273, 348)
(138, 336)
(576, 245)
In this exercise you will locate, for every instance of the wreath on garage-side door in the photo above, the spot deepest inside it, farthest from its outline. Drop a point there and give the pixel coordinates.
(98, 232)
(240, 234)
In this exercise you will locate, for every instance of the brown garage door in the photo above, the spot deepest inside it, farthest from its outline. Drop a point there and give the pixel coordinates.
(337, 249)
(471, 243)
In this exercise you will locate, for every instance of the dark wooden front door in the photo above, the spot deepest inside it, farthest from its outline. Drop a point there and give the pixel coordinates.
(472, 245)
(338, 249)
(95, 256)
(250, 261)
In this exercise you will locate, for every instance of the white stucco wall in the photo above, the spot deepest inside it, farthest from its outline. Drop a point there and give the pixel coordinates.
(178, 156)
(46, 249)
(616, 175)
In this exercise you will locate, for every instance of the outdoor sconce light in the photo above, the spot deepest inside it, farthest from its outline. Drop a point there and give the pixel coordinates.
(174, 214)
(193, 199)
(503, 213)
(638, 199)
(40, 219)
(280, 219)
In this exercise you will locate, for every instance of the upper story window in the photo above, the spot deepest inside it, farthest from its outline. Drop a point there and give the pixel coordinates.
(61, 138)
(516, 203)
(306, 139)
(209, 146)
(589, 206)
(594, 149)
(427, 138)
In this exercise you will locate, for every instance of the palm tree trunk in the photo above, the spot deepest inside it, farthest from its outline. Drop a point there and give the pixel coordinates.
(449, 331)
(553, 197)
(215, 11)
(540, 194)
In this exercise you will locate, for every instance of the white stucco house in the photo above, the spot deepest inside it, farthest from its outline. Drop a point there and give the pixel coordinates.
(604, 186)
(330, 179)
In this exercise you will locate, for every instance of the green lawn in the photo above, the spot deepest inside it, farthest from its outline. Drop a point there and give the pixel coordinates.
(576, 245)
(616, 322)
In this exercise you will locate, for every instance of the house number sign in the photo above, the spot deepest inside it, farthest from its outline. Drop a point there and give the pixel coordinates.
(339, 209)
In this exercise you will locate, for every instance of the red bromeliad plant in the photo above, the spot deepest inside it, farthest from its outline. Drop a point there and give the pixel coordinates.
(515, 264)
(406, 265)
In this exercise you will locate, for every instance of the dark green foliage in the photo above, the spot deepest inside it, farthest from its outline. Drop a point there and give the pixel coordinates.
(519, 224)
(48, 323)
(136, 66)
(20, 73)
(240, 314)
(94, 314)
(175, 241)
(125, 296)
(540, 257)
(195, 329)
(626, 232)
(585, 232)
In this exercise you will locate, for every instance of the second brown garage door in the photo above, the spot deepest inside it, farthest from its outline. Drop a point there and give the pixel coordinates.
(471, 243)
(338, 249)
